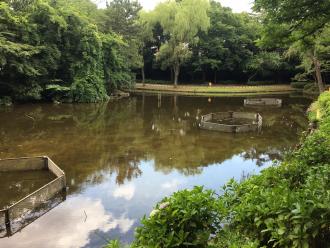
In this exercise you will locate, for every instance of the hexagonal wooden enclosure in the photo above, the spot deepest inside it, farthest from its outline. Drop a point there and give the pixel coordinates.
(231, 122)
(24, 211)
(257, 102)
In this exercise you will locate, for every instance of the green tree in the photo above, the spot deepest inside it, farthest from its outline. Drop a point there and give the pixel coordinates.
(309, 16)
(144, 36)
(181, 22)
(229, 43)
(51, 48)
(263, 61)
(314, 54)
(25, 57)
(121, 17)
(297, 24)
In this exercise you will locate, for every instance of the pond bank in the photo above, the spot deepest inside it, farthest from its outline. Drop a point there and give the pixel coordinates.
(201, 90)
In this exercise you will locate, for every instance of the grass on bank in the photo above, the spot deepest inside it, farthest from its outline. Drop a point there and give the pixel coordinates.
(285, 206)
(212, 90)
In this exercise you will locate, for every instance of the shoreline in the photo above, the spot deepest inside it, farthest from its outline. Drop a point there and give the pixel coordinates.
(226, 90)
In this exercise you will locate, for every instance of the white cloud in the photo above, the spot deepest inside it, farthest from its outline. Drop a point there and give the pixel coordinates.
(67, 226)
(172, 185)
(149, 4)
(238, 5)
(125, 191)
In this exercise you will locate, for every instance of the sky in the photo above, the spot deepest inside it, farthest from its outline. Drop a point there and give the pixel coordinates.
(236, 5)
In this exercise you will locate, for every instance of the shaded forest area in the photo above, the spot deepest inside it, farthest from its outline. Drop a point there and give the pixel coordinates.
(71, 51)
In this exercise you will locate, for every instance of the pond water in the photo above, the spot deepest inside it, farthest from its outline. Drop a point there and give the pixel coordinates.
(121, 158)
(17, 185)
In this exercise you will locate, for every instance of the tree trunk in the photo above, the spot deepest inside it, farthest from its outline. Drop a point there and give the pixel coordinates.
(143, 76)
(318, 74)
(215, 77)
(176, 70)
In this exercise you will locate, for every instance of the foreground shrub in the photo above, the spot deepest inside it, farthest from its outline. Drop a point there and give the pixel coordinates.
(289, 205)
(186, 219)
(231, 239)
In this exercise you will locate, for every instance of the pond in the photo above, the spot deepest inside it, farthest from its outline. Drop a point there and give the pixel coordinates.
(121, 158)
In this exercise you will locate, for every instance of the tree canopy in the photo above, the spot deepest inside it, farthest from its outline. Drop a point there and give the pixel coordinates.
(70, 50)
(180, 22)
(298, 25)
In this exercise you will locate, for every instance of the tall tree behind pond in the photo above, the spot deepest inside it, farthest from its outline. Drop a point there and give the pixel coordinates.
(299, 25)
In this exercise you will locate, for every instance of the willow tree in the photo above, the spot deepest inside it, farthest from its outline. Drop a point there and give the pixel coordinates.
(181, 21)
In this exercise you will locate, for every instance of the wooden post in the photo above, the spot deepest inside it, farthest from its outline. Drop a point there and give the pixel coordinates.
(7, 221)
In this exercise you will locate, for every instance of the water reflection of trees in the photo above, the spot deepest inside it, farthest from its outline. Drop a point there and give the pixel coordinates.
(93, 141)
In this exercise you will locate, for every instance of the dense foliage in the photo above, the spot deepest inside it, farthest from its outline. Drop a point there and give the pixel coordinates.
(73, 51)
(285, 206)
(54, 49)
(185, 219)
(220, 47)
(301, 27)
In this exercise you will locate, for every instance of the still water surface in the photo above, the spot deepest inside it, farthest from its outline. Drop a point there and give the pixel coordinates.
(121, 158)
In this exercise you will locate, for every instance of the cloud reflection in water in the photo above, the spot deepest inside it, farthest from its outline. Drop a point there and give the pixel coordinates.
(68, 226)
(124, 191)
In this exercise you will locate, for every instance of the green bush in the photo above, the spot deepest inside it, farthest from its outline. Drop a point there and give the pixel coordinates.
(57, 92)
(88, 89)
(186, 219)
(287, 206)
(231, 239)
(114, 244)
(324, 106)
(27, 93)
